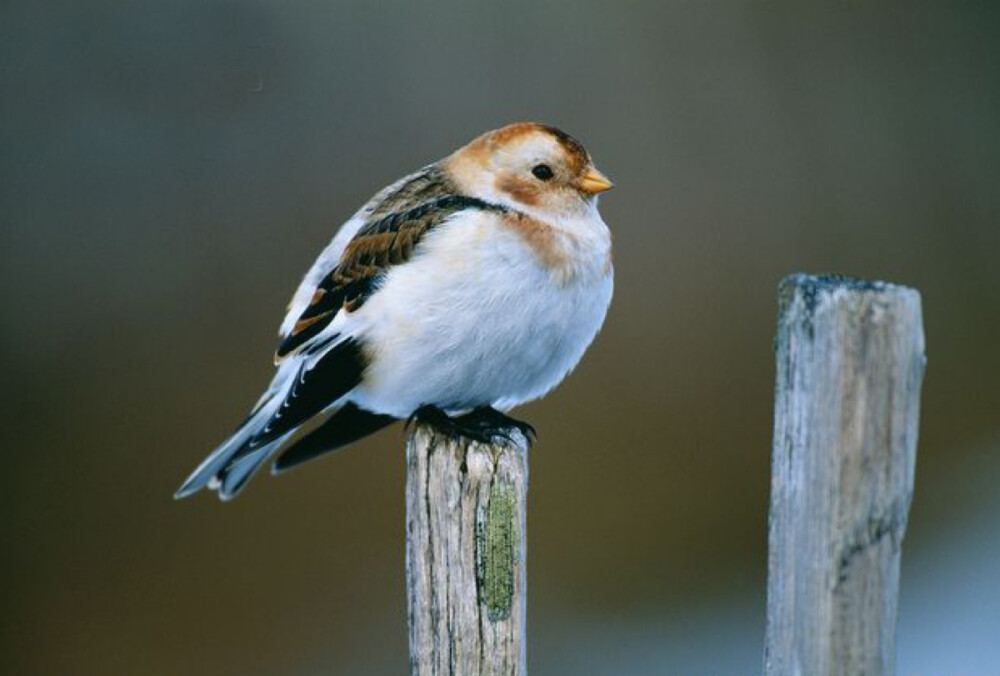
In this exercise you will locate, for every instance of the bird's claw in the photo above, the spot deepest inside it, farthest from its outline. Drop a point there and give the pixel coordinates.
(484, 424)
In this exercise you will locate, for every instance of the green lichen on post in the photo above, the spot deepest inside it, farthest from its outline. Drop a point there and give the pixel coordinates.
(496, 551)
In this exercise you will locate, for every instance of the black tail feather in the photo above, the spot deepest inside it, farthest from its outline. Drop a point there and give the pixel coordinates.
(344, 427)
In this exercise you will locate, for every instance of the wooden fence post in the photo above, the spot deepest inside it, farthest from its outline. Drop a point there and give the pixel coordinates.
(465, 555)
(850, 361)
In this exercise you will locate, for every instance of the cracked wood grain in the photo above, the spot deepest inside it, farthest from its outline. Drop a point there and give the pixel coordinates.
(850, 362)
(465, 554)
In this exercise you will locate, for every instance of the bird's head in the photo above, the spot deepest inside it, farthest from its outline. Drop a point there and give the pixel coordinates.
(530, 167)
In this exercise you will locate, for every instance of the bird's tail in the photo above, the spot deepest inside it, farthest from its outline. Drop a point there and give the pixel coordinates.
(308, 395)
(236, 459)
(232, 464)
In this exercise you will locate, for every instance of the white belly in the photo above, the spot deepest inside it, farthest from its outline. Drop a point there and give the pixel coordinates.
(473, 320)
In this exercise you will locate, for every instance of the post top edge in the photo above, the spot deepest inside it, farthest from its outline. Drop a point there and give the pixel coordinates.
(837, 281)
(514, 439)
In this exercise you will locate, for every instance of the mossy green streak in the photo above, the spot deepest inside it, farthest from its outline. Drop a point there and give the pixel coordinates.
(496, 552)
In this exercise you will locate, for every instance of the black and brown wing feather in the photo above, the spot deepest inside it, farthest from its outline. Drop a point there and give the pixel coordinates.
(389, 240)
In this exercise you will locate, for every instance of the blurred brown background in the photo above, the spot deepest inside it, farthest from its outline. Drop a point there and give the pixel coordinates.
(170, 168)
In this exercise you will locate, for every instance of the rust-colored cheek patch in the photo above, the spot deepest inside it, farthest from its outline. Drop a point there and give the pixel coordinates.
(522, 190)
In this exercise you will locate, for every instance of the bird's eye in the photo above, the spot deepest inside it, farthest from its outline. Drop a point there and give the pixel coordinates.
(542, 172)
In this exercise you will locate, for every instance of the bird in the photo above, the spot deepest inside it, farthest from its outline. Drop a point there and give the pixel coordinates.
(455, 294)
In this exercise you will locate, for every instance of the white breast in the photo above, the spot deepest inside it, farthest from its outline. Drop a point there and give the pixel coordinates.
(476, 319)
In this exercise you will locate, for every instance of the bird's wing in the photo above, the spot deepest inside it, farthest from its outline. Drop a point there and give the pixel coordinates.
(387, 237)
(417, 188)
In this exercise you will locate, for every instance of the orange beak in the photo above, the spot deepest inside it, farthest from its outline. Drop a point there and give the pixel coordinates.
(594, 182)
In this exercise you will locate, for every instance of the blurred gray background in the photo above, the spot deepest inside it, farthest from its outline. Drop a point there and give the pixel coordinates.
(170, 168)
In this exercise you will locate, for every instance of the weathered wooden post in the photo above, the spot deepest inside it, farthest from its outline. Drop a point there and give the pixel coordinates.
(850, 361)
(465, 554)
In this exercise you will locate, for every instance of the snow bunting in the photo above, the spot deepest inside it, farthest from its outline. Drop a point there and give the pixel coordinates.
(456, 293)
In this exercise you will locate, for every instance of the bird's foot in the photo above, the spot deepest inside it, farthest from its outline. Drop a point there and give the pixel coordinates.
(483, 424)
